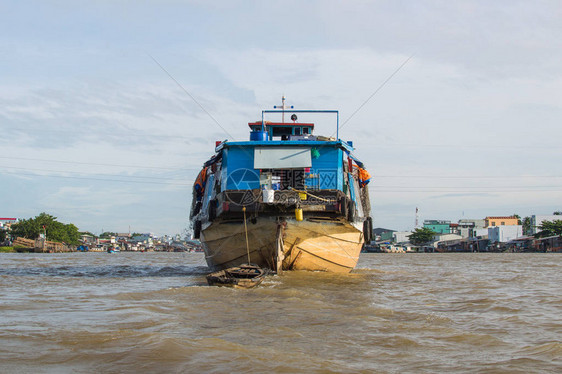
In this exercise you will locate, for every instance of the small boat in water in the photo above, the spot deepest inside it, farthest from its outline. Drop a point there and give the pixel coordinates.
(243, 276)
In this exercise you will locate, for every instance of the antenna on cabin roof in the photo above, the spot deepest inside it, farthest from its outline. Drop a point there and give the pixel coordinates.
(283, 107)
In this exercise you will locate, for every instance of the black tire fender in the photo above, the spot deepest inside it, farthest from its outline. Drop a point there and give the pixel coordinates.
(368, 229)
(351, 212)
(197, 229)
(196, 209)
(212, 210)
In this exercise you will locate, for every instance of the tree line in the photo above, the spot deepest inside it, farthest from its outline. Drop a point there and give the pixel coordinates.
(55, 231)
(46, 224)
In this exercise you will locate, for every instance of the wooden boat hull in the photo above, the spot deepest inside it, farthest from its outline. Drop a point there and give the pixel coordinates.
(331, 245)
(245, 276)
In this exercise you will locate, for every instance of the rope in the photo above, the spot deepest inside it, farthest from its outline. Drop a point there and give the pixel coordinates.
(309, 194)
(246, 232)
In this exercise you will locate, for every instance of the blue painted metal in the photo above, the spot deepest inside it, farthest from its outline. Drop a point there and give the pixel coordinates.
(256, 136)
(357, 161)
(303, 143)
(208, 192)
(241, 174)
(328, 169)
(238, 171)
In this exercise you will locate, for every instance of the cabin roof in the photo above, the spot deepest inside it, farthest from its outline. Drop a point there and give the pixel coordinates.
(276, 143)
(281, 124)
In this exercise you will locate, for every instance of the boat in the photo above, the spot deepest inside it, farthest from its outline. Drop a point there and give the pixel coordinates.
(243, 276)
(371, 248)
(303, 198)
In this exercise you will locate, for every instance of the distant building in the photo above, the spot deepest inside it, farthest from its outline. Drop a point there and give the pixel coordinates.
(87, 239)
(401, 236)
(505, 233)
(468, 228)
(381, 234)
(145, 239)
(440, 227)
(454, 228)
(501, 221)
(480, 233)
(536, 221)
(7, 222)
(445, 238)
(122, 236)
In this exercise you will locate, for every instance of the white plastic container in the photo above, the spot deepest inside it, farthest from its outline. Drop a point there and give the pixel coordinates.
(268, 196)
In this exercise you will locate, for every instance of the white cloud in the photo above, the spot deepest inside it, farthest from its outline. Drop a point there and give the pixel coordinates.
(479, 98)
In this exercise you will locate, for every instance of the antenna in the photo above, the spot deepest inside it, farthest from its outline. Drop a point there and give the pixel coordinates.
(283, 107)
(376, 91)
(191, 96)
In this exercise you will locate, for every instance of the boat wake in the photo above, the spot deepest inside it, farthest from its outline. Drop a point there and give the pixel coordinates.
(108, 271)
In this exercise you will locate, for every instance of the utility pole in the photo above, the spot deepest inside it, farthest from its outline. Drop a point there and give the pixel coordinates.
(44, 238)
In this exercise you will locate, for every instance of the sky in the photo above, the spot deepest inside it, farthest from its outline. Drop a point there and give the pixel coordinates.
(460, 105)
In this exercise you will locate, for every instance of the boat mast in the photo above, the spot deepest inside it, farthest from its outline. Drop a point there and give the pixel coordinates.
(283, 107)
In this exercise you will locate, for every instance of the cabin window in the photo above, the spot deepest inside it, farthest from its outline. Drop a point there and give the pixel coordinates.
(297, 130)
(305, 130)
(280, 131)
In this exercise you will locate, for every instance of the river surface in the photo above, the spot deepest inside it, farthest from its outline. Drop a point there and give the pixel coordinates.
(396, 313)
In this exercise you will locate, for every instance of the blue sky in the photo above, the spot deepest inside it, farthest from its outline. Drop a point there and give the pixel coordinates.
(95, 133)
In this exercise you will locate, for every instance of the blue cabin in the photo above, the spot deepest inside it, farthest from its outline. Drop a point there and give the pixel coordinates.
(283, 156)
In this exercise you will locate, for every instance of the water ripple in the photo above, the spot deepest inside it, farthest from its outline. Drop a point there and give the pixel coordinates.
(107, 271)
(418, 313)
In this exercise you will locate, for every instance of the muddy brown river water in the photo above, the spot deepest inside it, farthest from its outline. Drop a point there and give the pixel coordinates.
(396, 313)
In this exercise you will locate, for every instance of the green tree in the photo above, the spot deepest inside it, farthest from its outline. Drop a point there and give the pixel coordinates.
(421, 236)
(550, 228)
(26, 228)
(3, 235)
(518, 218)
(557, 213)
(526, 222)
(56, 231)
